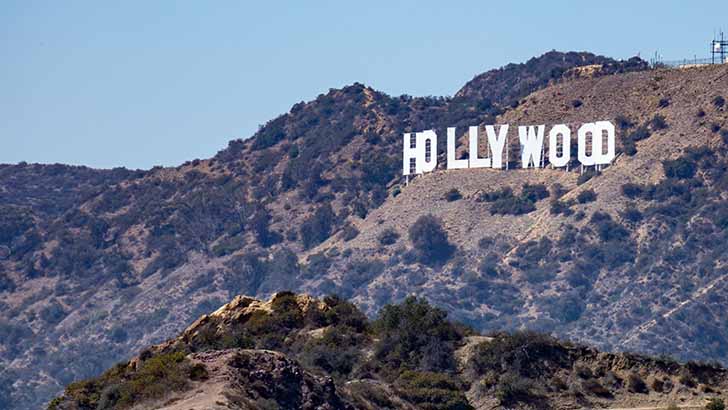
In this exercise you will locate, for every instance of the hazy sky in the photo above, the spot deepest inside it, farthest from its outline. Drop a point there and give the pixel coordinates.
(143, 83)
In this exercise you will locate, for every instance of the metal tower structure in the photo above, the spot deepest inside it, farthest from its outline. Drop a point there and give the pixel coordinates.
(719, 50)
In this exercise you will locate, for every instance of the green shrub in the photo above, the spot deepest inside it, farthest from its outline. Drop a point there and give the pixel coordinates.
(535, 192)
(388, 237)
(658, 122)
(53, 313)
(260, 226)
(607, 229)
(154, 377)
(430, 240)
(595, 388)
(453, 195)
(317, 227)
(432, 391)
(512, 205)
(681, 168)
(623, 122)
(635, 384)
(360, 272)
(585, 176)
(349, 232)
(718, 101)
(715, 404)
(336, 352)
(415, 336)
(631, 190)
(560, 207)
(513, 388)
(586, 196)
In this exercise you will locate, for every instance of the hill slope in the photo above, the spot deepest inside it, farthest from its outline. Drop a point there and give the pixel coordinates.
(113, 260)
(296, 352)
(581, 262)
(575, 266)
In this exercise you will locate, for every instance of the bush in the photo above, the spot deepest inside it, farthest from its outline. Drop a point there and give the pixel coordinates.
(718, 101)
(336, 352)
(595, 388)
(631, 190)
(261, 229)
(504, 202)
(512, 206)
(635, 384)
(361, 271)
(53, 313)
(388, 237)
(681, 168)
(658, 122)
(715, 404)
(623, 122)
(630, 148)
(430, 240)
(432, 391)
(607, 229)
(639, 134)
(453, 195)
(120, 387)
(317, 227)
(496, 195)
(586, 196)
(535, 193)
(560, 207)
(415, 336)
(118, 334)
(349, 232)
(664, 102)
(632, 214)
(586, 176)
(512, 389)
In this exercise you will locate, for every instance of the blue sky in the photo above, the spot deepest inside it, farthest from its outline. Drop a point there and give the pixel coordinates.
(140, 83)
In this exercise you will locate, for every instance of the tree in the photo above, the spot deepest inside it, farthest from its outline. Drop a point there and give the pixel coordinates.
(415, 335)
(260, 225)
(430, 240)
(316, 228)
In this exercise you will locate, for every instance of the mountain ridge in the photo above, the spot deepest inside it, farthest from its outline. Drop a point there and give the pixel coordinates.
(297, 352)
(136, 259)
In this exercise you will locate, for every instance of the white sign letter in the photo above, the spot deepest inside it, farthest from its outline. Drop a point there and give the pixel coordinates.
(554, 157)
(597, 156)
(409, 152)
(497, 143)
(476, 162)
(531, 145)
(422, 139)
(453, 163)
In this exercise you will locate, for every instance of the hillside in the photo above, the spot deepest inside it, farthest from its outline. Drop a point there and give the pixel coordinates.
(580, 263)
(94, 265)
(297, 352)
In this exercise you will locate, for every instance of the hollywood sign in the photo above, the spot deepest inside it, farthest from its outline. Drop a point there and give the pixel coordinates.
(420, 148)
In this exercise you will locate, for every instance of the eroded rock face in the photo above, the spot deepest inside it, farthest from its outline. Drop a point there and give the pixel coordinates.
(266, 376)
